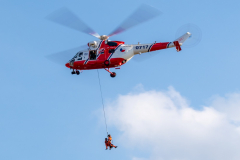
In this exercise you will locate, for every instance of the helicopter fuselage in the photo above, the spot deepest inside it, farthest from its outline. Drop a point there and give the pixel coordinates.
(111, 54)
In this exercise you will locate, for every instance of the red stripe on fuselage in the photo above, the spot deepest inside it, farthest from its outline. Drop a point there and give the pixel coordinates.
(158, 46)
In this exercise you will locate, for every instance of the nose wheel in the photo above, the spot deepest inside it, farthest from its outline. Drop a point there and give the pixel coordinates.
(77, 72)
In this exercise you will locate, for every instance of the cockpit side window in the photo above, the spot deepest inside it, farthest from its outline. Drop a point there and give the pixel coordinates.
(80, 56)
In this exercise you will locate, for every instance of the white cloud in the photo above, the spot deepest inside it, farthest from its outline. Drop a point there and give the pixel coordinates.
(163, 124)
(230, 105)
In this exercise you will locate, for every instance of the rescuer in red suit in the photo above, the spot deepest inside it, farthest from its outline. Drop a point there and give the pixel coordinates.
(108, 142)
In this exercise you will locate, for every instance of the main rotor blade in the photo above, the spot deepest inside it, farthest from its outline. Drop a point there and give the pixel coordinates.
(142, 14)
(63, 57)
(67, 18)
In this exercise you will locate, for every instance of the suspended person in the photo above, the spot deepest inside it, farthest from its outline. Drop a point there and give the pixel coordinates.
(108, 142)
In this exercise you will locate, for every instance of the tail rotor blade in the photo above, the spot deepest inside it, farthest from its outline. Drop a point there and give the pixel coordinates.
(142, 14)
(67, 18)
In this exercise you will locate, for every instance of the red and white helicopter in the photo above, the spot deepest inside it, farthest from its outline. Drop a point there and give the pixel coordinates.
(106, 54)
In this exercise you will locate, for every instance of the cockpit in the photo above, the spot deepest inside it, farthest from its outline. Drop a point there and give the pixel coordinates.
(78, 56)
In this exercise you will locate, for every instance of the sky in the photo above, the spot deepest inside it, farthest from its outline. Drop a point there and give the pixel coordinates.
(169, 105)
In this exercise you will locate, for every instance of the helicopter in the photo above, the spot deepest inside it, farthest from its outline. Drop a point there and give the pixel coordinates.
(104, 53)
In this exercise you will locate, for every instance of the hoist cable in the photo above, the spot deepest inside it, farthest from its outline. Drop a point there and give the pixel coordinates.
(102, 101)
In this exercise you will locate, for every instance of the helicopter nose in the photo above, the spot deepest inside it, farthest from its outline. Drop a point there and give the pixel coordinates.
(67, 65)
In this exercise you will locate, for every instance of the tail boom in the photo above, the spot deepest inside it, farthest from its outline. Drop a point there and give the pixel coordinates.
(143, 48)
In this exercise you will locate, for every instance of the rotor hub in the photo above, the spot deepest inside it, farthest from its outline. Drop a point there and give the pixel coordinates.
(103, 37)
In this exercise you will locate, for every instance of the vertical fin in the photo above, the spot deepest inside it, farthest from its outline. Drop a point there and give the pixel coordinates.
(177, 45)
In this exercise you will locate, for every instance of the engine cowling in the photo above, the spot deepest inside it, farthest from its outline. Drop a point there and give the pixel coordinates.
(93, 44)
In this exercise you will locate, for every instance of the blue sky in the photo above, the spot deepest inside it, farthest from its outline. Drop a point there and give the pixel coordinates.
(47, 113)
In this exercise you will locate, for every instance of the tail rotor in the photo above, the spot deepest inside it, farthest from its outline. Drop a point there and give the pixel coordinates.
(195, 37)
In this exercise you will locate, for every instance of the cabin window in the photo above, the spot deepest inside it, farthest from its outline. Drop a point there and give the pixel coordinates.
(111, 50)
(112, 43)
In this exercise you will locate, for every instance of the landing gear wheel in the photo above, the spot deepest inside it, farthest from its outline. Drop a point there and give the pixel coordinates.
(107, 63)
(73, 72)
(77, 72)
(113, 74)
(124, 61)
